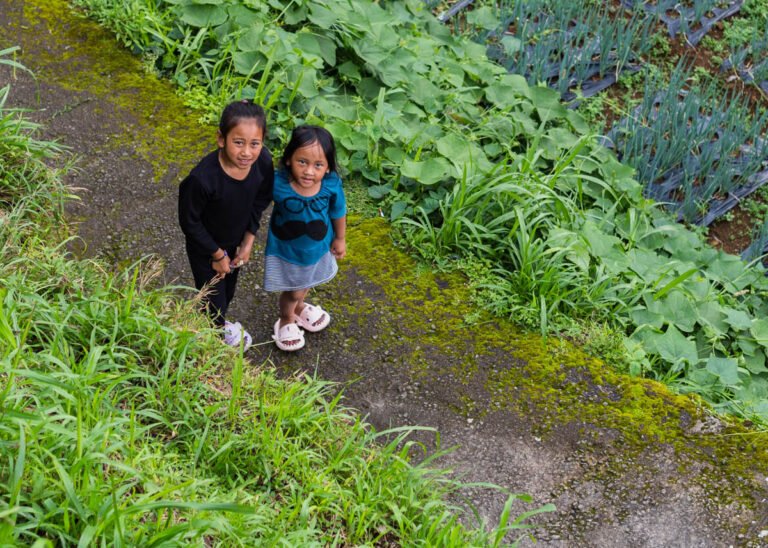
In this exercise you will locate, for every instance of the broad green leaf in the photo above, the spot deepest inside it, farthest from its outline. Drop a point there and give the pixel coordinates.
(675, 347)
(700, 377)
(600, 243)
(349, 70)
(484, 17)
(379, 191)
(429, 204)
(321, 15)
(669, 286)
(427, 172)
(207, 15)
(728, 270)
(343, 109)
(643, 316)
(308, 88)
(242, 17)
(344, 135)
(754, 395)
(563, 138)
(398, 210)
(295, 13)
(373, 54)
(252, 39)
(423, 91)
(249, 62)
(759, 330)
(453, 73)
(463, 153)
(677, 309)
(578, 123)
(577, 251)
(405, 129)
(371, 173)
(507, 90)
(712, 313)
(547, 103)
(737, 319)
(726, 369)
(511, 45)
(395, 155)
(317, 45)
(755, 364)
(748, 346)
(648, 264)
(681, 243)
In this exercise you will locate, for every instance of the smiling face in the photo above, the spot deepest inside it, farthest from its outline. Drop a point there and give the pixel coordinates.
(307, 165)
(241, 147)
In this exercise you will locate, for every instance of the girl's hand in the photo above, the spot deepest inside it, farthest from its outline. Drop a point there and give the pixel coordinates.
(339, 248)
(220, 263)
(221, 267)
(243, 252)
(242, 256)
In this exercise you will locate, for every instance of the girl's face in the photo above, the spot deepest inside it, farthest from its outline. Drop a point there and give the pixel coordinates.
(308, 166)
(241, 147)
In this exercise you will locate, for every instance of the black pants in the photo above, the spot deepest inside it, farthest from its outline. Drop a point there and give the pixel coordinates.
(220, 293)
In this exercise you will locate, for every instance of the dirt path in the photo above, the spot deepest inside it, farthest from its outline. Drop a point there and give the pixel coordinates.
(625, 463)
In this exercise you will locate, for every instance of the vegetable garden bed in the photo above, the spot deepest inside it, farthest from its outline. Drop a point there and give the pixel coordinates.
(581, 49)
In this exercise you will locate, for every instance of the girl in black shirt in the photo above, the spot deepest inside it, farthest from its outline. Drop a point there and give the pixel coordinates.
(220, 207)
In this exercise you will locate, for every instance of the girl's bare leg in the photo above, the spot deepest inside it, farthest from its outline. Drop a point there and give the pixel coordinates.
(301, 294)
(287, 304)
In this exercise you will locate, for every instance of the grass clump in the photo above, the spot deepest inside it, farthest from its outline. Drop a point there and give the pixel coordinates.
(125, 421)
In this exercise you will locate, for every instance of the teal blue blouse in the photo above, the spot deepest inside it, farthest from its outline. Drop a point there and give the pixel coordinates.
(301, 230)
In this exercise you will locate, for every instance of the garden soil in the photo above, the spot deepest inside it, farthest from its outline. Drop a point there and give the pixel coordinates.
(527, 415)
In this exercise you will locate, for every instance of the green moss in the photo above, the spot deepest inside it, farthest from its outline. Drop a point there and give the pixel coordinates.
(550, 377)
(97, 66)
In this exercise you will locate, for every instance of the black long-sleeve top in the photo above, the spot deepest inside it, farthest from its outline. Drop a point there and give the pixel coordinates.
(216, 210)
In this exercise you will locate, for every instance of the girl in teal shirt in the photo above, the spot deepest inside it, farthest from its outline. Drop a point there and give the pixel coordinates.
(307, 232)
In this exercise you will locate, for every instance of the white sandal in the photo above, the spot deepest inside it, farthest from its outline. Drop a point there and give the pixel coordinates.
(289, 332)
(309, 317)
(234, 333)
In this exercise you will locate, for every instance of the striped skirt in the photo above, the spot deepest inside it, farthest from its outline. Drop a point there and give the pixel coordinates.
(280, 275)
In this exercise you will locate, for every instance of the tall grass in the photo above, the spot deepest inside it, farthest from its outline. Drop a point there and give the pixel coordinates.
(522, 223)
(125, 422)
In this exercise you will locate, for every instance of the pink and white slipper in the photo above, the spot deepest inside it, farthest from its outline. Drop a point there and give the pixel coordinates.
(313, 318)
(234, 335)
(288, 333)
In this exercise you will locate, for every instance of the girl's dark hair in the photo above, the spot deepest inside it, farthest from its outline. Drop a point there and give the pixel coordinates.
(306, 135)
(238, 110)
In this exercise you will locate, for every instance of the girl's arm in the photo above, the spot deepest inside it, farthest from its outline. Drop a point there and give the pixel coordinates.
(263, 197)
(193, 197)
(244, 249)
(339, 243)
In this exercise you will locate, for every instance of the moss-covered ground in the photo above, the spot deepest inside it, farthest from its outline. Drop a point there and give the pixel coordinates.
(400, 331)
